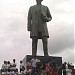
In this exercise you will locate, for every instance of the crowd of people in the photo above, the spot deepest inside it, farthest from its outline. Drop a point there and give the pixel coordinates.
(8, 67)
(36, 67)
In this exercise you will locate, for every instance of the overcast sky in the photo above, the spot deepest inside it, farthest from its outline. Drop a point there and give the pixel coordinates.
(15, 40)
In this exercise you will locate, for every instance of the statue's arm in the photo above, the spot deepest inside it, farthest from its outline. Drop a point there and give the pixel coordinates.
(29, 20)
(49, 15)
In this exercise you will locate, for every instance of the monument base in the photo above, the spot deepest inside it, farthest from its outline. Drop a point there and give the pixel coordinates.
(44, 59)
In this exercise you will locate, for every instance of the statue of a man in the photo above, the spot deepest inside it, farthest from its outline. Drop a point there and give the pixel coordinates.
(38, 15)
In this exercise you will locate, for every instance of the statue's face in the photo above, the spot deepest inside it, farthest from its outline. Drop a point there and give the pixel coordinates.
(38, 1)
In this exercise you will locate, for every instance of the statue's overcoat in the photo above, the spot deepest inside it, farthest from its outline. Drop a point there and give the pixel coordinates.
(35, 23)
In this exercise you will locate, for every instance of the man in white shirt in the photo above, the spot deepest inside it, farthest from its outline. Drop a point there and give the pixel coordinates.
(13, 67)
(34, 65)
(68, 71)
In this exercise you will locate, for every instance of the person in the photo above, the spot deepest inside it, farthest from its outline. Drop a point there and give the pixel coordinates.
(38, 16)
(43, 67)
(68, 69)
(55, 69)
(22, 68)
(64, 68)
(38, 65)
(48, 69)
(4, 68)
(73, 72)
(13, 67)
(8, 67)
(34, 65)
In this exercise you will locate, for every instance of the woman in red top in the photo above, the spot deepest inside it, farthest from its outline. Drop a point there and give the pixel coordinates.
(48, 69)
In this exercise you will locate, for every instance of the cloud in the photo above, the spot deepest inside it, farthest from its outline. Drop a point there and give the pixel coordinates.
(68, 55)
(61, 37)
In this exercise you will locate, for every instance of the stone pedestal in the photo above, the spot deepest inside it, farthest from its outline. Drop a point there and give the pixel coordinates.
(44, 59)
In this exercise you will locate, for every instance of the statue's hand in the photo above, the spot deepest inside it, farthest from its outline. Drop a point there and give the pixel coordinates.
(44, 18)
(28, 29)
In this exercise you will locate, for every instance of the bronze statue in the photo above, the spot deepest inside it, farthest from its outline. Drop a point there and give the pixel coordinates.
(38, 15)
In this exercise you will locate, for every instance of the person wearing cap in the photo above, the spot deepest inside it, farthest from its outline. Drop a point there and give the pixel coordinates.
(38, 16)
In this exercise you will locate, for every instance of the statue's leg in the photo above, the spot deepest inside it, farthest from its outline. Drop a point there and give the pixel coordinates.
(45, 44)
(34, 45)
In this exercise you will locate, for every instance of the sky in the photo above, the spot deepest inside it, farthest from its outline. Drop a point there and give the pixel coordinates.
(15, 40)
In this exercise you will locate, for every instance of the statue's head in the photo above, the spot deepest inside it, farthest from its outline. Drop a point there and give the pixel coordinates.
(39, 1)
